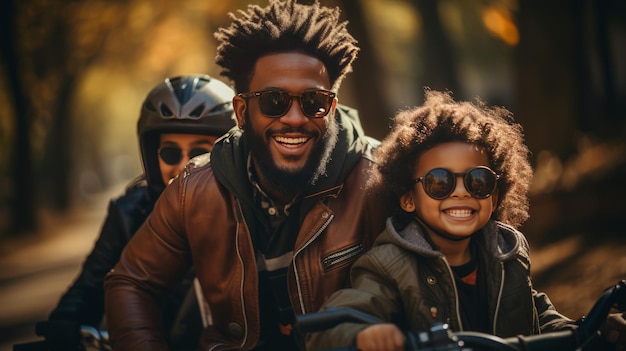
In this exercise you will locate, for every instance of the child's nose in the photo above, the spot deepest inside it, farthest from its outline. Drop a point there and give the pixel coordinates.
(459, 188)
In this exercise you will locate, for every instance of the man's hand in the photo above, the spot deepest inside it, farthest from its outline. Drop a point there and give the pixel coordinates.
(380, 337)
(614, 330)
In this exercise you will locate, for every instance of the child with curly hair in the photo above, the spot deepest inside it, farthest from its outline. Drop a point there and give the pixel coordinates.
(457, 175)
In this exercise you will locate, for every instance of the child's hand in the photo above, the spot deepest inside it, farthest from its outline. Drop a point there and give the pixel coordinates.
(614, 330)
(380, 337)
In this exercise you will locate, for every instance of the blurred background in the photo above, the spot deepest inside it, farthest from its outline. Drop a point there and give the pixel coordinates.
(73, 75)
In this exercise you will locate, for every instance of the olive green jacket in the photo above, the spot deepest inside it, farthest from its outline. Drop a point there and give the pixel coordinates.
(404, 281)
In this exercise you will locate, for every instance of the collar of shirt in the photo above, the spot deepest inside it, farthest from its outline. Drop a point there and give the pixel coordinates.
(267, 204)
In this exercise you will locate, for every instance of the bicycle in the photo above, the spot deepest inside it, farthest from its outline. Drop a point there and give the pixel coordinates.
(440, 338)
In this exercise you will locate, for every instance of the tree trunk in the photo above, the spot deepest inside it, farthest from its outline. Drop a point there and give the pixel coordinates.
(57, 165)
(548, 80)
(439, 59)
(370, 97)
(23, 215)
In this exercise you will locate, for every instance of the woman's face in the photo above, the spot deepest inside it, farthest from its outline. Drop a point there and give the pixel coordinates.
(459, 214)
(176, 149)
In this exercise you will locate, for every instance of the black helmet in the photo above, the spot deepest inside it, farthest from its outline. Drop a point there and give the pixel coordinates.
(192, 104)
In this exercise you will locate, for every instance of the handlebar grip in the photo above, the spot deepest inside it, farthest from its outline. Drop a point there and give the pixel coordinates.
(612, 297)
(556, 340)
(331, 317)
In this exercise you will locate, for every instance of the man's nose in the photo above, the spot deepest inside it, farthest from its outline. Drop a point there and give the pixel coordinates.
(294, 115)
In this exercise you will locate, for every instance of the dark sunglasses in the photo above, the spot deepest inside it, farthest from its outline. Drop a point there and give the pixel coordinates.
(172, 154)
(274, 103)
(439, 183)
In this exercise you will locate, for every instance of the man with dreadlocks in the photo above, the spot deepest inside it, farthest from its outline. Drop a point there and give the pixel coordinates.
(273, 222)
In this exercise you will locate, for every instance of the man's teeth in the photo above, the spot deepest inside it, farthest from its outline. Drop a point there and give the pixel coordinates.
(292, 141)
(459, 212)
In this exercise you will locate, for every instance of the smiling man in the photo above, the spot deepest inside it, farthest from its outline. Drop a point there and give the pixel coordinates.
(291, 149)
(273, 222)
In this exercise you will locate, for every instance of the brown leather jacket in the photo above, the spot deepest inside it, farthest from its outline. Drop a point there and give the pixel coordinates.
(340, 225)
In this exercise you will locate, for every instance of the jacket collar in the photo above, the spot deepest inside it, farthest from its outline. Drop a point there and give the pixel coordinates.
(230, 155)
(500, 240)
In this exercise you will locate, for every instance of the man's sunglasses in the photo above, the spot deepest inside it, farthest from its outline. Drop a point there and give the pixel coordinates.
(274, 103)
(172, 154)
(439, 183)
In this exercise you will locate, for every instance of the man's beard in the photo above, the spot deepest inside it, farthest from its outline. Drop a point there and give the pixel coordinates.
(288, 181)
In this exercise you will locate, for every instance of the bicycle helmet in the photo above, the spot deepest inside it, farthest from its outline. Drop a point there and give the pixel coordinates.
(190, 104)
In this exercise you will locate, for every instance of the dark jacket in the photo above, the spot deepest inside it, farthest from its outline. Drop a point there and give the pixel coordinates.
(205, 218)
(403, 280)
(84, 301)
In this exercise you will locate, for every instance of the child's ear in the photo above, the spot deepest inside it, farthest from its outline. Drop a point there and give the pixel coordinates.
(407, 203)
(494, 200)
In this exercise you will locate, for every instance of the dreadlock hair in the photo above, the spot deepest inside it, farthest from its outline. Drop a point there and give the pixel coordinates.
(285, 26)
(440, 120)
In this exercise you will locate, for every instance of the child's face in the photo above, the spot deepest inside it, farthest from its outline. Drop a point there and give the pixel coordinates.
(459, 214)
(176, 149)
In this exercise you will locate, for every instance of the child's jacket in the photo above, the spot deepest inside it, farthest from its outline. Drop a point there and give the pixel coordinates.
(404, 281)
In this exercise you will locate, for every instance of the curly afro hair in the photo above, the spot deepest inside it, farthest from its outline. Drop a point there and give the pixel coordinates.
(285, 26)
(439, 120)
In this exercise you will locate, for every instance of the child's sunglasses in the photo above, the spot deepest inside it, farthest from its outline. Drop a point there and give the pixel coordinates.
(274, 103)
(172, 154)
(439, 183)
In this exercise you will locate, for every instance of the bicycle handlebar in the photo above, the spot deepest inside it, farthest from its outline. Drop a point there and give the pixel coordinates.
(91, 339)
(440, 338)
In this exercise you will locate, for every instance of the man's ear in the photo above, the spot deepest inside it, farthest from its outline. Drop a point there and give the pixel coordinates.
(240, 106)
(407, 203)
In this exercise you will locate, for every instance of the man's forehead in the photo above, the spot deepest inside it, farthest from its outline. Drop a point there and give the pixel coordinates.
(296, 70)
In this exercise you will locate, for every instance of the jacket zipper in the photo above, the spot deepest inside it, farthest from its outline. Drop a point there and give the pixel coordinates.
(295, 270)
(241, 283)
(456, 296)
(495, 315)
(341, 256)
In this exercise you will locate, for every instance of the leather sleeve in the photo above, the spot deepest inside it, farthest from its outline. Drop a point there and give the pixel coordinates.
(155, 259)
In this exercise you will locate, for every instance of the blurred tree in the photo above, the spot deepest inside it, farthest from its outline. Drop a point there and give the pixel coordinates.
(546, 78)
(23, 214)
(595, 56)
(52, 46)
(438, 52)
(368, 75)
(48, 47)
(371, 77)
(565, 72)
(568, 99)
